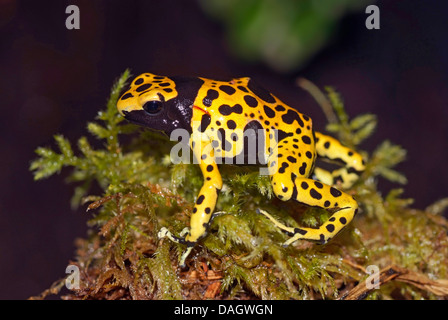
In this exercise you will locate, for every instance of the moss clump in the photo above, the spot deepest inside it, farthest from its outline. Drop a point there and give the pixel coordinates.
(242, 256)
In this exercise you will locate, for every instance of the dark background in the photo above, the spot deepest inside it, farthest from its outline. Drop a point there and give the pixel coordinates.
(54, 80)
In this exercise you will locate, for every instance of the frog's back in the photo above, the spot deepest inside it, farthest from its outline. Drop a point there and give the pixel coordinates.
(244, 98)
(240, 104)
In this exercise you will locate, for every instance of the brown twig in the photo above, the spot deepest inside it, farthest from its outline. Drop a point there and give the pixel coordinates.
(437, 287)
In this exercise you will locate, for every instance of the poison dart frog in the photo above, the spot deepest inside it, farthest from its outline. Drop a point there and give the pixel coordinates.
(219, 113)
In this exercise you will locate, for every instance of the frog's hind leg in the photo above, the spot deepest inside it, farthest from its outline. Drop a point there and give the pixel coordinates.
(315, 193)
(289, 179)
(330, 148)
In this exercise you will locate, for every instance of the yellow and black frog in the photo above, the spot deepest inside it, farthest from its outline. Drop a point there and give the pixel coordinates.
(218, 116)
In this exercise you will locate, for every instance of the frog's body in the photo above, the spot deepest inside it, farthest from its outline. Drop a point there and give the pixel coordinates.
(219, 114)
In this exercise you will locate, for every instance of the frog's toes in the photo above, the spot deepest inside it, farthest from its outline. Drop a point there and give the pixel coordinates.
(288, 242)
(163, 233)
(184, 232)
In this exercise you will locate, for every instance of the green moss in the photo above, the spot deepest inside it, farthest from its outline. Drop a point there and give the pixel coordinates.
(242, 256)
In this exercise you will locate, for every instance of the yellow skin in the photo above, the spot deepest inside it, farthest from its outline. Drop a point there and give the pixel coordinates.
(218, 114)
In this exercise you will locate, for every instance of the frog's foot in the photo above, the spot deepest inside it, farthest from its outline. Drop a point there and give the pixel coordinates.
(289, 230)
(165, 233)
(184, 232)
(344, 204)
(294, 233)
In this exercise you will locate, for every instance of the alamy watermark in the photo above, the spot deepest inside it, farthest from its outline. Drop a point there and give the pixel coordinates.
(251, 146)
(373, 280)
(72, 280)
(73, 21)
(373, 20)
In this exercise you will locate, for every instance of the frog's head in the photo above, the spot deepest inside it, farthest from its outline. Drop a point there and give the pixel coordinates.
(153, 101)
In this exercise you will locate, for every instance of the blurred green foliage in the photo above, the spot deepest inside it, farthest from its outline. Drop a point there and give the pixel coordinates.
(285, 34)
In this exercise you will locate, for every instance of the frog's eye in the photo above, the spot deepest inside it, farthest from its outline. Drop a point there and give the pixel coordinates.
(152, 107)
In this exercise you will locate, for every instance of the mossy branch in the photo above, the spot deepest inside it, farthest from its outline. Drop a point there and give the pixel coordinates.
(242, 256)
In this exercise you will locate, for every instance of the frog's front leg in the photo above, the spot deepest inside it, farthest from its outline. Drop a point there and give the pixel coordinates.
(206, 200)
